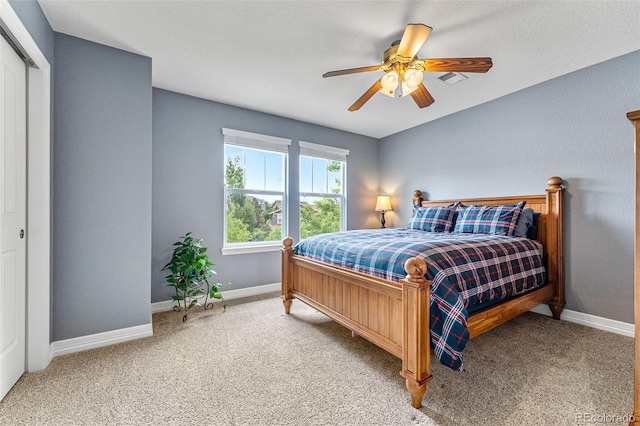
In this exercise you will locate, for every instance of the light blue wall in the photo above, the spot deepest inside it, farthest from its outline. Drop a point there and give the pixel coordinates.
(102, 183)
(188, 173)
(574, 126)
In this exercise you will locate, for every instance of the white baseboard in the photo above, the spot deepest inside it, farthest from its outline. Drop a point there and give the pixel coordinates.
(92, 341)
(167, 305)
(601, 323)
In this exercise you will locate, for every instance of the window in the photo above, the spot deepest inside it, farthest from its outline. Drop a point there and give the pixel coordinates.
(323, 172)
(255, 205)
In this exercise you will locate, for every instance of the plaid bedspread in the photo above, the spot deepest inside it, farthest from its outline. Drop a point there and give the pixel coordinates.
(466, 270)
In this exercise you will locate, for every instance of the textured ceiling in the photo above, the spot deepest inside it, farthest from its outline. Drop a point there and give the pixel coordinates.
(270, 55)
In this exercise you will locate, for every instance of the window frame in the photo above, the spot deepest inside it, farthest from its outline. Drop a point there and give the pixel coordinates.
(329, 153)
(256, 141)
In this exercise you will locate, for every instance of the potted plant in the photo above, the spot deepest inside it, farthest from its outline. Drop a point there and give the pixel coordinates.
(190, 272)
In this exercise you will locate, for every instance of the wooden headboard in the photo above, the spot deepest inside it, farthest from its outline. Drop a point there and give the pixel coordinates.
(550, 223)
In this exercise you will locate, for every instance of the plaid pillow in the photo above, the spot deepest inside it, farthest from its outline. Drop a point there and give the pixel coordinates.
(432, 219)
(498, 220)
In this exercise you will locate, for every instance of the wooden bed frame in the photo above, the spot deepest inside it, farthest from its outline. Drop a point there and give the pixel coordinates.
(395, 315)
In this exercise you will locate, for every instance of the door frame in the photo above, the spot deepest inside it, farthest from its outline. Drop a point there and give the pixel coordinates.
(38, 256)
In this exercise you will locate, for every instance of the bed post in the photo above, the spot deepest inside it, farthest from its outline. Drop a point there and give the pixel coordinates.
(417, 198)
(555, 249)
(416, 338)
(287, 274)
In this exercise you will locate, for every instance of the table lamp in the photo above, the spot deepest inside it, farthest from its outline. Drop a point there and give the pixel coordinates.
(383, 205)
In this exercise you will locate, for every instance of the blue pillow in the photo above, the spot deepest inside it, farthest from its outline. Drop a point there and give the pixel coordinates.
(525, 221)
(532, 233)
(497, 220)
(432, 219)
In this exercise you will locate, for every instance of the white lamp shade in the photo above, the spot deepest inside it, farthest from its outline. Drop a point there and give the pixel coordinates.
(383, 203)
(413, 78)
(390, 81)
(411, 81)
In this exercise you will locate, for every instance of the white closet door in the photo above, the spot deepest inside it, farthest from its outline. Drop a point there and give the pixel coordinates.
(12, 217)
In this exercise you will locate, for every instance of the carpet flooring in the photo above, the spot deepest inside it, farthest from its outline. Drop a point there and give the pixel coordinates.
(254, 365)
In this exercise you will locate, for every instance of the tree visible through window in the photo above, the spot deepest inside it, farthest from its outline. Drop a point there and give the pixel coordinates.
(250, 217)
(321, 195)
(254, 194)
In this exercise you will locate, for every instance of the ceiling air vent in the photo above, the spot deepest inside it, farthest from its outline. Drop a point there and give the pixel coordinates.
(452, 78)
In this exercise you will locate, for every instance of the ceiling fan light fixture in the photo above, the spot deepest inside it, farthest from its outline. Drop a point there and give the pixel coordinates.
(390, 81)
(404, 68)
(413, 78)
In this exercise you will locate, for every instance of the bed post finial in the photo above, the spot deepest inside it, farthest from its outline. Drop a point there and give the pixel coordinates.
(417, 197)
(415, 269)
(554, 182)
(287, 243)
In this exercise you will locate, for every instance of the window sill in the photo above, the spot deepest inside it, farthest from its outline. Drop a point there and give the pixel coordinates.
(228, 251)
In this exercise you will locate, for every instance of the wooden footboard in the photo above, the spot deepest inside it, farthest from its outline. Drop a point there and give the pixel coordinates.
(395, 316)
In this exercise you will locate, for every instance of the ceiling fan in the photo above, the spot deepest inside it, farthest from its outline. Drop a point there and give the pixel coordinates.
(403, 68)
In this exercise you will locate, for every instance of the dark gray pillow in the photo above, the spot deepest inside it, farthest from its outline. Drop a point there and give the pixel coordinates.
(525, 221)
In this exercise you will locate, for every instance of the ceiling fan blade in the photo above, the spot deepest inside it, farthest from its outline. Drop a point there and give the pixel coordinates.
(412, 40)
(457, 64)
(366, 96)
(422, 96)
(351, 71)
